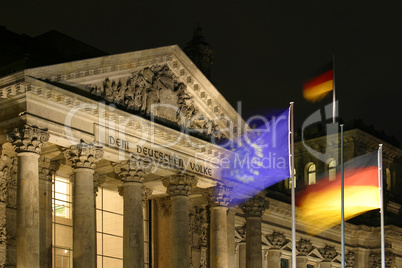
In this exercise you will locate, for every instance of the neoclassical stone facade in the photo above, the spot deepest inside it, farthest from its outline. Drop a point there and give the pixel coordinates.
(113, 162)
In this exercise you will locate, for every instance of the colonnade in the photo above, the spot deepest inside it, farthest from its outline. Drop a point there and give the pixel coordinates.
(34, 229)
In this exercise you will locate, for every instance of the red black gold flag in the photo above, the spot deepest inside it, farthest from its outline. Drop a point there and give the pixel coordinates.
(320, 204)
(317, 88)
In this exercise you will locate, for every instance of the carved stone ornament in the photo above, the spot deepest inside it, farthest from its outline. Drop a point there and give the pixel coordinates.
(350, 259)
(328, 253)
(83, 155)
(179, 184)
(164, 204)
(277, 240)
(47, 168)
(131, 170)
(158, 92)
(242, 231)
(98, 181)
(198, 227)
(375, 260)
(254, 207)
(28, 139)
(304, 247)
(146, 194)
(218, 196)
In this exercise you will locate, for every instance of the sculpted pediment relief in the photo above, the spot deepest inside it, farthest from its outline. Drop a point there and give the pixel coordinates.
(156, 91)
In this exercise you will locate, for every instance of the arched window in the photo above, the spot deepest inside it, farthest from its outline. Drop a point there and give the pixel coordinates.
(311, 174)
(332, 170)
(388, 179)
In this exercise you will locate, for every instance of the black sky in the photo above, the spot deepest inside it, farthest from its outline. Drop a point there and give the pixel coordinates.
(263, 49)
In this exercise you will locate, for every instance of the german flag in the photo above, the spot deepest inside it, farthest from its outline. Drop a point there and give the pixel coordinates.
(320, 204)
(317, 88)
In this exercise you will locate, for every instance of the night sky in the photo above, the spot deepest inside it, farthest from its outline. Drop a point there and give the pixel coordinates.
(264, 50)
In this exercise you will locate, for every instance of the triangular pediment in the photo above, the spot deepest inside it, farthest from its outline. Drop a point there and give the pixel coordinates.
(160, 83)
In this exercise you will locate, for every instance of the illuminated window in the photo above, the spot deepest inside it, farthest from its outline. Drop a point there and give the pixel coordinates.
(311, 176)
(388, 179)
(62, 230)
(332, 170)
(109, 217)
(62, 198)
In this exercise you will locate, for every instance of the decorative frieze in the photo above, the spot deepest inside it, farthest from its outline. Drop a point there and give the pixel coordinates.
(28, 139)
(254, 207)
(83, 155)
(179, 184)
(304, 247)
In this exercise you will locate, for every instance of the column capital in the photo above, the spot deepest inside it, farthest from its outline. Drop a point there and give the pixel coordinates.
(328, 253)
(304, 247)
(83, 155)
(47, 168)
(255, 206)
(277, 240)
(350, 259)
(179, 184)
(218, 196)
(28, 139)
(133, 170)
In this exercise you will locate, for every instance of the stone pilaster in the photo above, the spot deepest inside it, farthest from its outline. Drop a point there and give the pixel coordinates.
(304, 247)
(47, 169)
(28, 142)
(277, 241)
(231, 238)
(179, 187)
(328, 253)
(253, 210)
(219, 199)
(83, 158)
(133, 233)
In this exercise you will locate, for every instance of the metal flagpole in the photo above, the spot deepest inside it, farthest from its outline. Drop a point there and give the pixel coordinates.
(292, 178)
(333, 91)
(342, 204)
(381, 192)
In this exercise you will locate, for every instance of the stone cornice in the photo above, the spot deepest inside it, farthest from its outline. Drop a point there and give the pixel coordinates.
(356, 136)
(86, 108)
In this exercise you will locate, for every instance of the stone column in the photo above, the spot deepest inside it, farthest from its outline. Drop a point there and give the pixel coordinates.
(132, 176)
(231, 238)
(277, 241)
(83, 158)
(179, 187)
(253, 210)
(47, 170)
(28, 142)
(328, 253)
(218, 199)
(304, 247)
